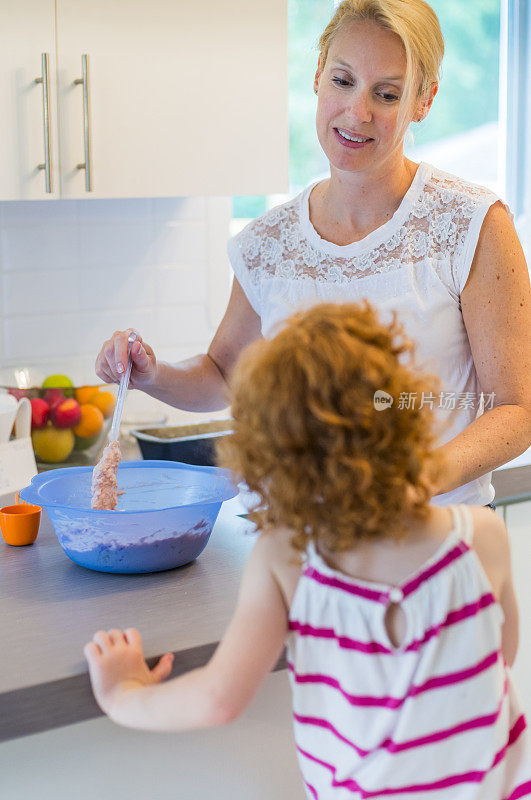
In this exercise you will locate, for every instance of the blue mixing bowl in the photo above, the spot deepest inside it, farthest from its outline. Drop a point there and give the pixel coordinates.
(163, 519)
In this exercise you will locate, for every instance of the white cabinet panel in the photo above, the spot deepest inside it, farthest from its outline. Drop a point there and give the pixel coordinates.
(27, 30)
(185, 98)
(253, 758)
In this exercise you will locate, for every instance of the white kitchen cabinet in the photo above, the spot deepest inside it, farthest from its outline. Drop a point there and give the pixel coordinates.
(182, 98)
(27, 29)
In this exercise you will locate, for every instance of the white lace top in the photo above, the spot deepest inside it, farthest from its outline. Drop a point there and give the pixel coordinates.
(417, 263)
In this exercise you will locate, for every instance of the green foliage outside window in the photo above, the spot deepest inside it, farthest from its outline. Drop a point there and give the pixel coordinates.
(469, 87)
(467, 97)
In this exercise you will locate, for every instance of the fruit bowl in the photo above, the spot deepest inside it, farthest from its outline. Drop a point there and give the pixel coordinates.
(70, 421)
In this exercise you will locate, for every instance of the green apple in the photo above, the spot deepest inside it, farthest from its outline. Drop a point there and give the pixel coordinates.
(84, 442)
(57, 381)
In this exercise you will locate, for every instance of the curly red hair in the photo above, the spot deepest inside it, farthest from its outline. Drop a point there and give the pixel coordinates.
(309, 440)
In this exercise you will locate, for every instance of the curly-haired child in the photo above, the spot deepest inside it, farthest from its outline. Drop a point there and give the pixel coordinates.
(399, 616)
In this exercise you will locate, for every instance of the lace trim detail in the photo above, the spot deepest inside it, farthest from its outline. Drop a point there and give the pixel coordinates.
(436, 228)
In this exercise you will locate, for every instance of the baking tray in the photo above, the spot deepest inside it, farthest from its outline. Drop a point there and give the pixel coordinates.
(189, 444)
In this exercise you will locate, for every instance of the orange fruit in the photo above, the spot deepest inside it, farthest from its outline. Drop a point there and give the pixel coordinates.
(84, 393)
(105, 401)
(91, 421)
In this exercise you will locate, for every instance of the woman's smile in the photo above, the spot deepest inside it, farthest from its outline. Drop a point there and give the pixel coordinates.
(354, 140)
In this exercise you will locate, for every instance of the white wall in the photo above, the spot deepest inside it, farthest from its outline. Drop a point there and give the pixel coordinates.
(73, 271)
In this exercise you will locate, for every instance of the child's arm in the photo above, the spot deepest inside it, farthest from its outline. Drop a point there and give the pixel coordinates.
(491, 543)
(217, 693)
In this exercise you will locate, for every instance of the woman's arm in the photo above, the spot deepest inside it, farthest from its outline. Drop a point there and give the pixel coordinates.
(496, 307)
(217, 693)
(197, 384)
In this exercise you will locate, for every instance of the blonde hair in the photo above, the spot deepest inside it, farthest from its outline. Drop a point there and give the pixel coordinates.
(417, 25)
(309, 440)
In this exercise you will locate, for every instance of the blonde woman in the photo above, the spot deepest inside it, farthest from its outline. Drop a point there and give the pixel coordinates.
(440, 251)
(402, 624)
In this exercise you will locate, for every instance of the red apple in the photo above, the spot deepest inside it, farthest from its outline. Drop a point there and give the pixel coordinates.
(66, 414)
(39, 412)
(53, 397)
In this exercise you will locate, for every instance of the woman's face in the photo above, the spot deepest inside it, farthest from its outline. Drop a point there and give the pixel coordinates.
(359, 91)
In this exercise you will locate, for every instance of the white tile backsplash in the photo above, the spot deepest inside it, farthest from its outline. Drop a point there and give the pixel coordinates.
(182, 209)
(39, 246)
(36, 337)
(32, 292)
(114, 211)
(73, 272)
(181, 325)
(185, 285)
(126, 288)
(41, 212)
(181, 242)
(116, 244)
(97, 326)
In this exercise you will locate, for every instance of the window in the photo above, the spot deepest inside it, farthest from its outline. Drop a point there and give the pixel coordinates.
(515, 110)
(477, 125)
(461, 133)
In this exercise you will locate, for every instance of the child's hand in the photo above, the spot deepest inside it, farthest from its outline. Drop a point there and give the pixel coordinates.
(116, 665)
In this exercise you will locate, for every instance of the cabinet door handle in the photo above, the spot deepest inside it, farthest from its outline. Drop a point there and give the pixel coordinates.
(47, 166)
(86, 122)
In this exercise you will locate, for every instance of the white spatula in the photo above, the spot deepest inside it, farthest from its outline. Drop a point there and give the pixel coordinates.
(122, 392)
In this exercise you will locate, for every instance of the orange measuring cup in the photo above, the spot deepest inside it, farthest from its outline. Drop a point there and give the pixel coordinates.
(20, 523)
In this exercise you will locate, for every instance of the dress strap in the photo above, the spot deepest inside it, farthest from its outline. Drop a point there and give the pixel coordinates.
(310, 555)
(458, 523)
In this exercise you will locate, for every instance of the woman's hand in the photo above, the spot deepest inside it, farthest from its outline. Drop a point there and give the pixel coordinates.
(117, 666)
(112, 360)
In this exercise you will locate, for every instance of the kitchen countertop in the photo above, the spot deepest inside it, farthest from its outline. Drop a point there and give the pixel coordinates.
(51, 607)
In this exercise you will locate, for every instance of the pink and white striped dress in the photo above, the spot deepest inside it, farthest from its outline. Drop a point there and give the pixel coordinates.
(436, 718)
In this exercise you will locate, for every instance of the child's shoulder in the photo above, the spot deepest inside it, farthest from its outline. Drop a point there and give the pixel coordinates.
(491, 543)
(275, 544)
(489, 528)
(283, 560)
